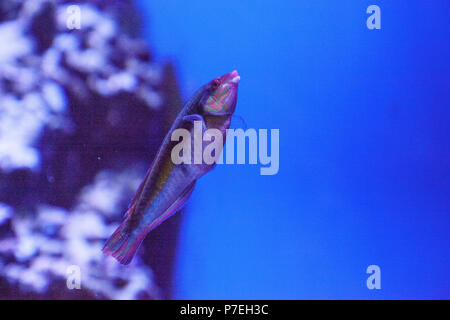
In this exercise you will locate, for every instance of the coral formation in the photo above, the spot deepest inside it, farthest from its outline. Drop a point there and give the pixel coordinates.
(82, 113)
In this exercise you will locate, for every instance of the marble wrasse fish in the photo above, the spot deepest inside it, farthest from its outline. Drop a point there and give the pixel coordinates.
(168, 185)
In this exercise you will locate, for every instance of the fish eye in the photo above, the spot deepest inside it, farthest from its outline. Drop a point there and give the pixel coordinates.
(215, 83)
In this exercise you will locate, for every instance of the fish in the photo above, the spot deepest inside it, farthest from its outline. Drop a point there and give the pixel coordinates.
(168, 185)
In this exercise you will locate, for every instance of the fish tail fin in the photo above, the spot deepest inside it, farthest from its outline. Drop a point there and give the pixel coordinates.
(122, 245)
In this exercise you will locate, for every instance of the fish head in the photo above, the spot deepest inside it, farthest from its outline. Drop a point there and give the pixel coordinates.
(222, 95)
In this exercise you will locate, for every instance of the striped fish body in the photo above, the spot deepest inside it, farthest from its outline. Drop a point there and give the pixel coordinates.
(167, 186)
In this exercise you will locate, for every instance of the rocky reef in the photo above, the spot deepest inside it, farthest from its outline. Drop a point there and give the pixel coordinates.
(82, 113)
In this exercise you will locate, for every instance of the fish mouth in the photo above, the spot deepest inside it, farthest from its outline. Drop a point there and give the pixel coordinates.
(223, 99)
(231, 77)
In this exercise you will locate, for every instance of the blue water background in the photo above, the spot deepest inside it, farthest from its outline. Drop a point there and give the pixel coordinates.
(364, 148)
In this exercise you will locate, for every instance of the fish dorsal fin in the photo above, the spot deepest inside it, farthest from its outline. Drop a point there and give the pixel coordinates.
(136, 196)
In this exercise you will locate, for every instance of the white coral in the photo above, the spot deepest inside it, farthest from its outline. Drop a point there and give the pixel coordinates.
(55, 239)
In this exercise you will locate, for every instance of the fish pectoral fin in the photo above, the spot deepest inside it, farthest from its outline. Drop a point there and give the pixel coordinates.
(195, 117)
(241, 119)
(174, 207)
